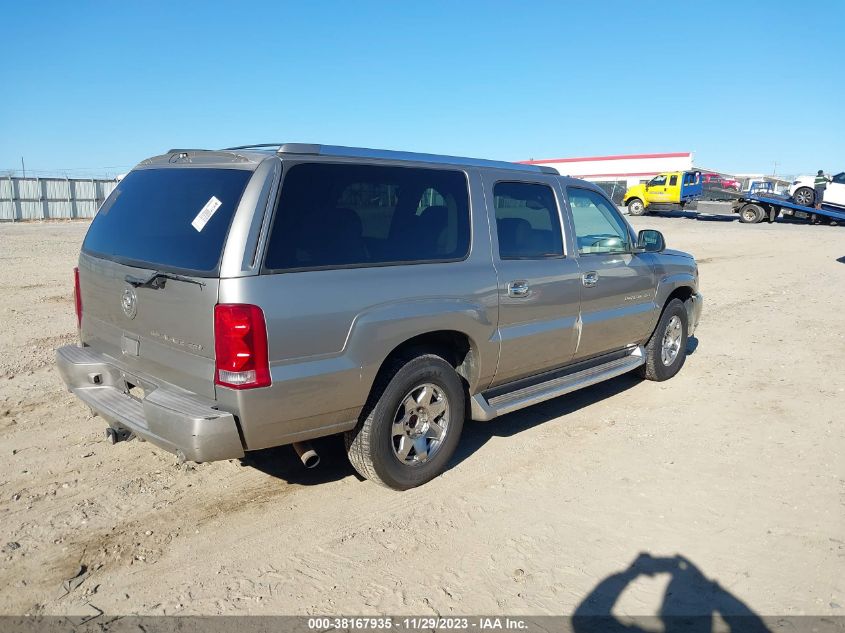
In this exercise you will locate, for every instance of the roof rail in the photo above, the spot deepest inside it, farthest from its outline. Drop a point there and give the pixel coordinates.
(253, 146)
(180, 150)
(363, 152)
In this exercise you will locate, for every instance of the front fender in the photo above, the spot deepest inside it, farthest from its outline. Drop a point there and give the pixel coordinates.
(670, 283)
(637, 191)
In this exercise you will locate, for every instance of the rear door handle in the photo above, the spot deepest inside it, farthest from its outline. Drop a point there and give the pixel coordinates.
(590, 279)
(518, 288)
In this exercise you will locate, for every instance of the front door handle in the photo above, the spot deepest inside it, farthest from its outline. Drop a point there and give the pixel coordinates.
(518, 288)
(590, 279)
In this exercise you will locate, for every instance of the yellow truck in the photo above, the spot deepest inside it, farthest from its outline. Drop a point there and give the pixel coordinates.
(670, 190)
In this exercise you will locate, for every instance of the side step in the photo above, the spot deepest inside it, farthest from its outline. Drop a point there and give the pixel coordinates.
(484, 410)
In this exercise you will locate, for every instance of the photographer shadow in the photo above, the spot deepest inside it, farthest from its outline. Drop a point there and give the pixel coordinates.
(690, 603)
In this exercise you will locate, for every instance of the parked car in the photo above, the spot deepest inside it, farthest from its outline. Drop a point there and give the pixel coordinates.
(719, 181)
(234, 300)
(803, 193)
(670, 190)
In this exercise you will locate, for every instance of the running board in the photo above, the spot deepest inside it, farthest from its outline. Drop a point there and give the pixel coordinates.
(484, 410)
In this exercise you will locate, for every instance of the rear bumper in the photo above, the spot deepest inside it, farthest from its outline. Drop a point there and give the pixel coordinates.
(694, 305)
(177, 421)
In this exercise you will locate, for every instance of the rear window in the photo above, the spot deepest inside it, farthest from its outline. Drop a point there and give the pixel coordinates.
(174, 219)
(334, 215)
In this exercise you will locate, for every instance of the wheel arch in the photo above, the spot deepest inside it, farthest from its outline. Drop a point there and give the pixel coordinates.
(456, 347)
(681, 285)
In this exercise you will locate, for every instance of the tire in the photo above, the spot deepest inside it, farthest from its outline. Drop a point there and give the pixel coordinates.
(804, 196)
(656, 367)
(751, 214)
(636, 207)
(374, 446)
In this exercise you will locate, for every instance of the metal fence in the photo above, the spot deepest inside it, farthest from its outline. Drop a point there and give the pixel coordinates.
(51, 198)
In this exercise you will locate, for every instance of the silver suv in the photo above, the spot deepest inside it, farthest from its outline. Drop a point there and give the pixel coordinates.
(234, 300)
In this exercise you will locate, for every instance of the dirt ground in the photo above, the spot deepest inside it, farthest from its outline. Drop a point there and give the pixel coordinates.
(736, 465)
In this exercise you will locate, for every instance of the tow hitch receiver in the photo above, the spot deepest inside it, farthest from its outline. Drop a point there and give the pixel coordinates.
(118, 435)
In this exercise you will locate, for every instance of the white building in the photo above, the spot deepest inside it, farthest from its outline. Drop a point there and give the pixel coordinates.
(614, 174)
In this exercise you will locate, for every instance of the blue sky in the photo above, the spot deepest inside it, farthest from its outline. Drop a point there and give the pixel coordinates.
(93, 87)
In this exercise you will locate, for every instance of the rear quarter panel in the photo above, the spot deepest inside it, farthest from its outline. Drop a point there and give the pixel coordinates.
(329, 332)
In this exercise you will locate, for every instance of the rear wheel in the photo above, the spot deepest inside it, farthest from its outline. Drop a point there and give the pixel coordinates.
(411, 423)
(636, 207)
(804, 196)
(751, 214)
(666, 350)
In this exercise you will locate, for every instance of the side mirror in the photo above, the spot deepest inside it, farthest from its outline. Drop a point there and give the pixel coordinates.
(650, 241)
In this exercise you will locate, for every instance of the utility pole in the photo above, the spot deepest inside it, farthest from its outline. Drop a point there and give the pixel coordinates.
(775, 168)
(23, 167)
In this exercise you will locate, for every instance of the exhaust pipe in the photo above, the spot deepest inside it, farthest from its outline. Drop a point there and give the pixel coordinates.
(307, 454)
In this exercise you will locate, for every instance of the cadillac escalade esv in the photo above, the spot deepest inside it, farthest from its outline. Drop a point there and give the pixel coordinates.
(234, 300)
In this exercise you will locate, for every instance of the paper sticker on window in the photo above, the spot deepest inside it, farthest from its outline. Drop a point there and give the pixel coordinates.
(205, 213)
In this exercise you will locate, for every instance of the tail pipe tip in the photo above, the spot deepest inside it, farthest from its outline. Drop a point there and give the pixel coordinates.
(307, 454)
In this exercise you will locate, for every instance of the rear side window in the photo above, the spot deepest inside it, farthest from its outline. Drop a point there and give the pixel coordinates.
(331, 215)
(168, 219)
(527, 221)
(673, 180)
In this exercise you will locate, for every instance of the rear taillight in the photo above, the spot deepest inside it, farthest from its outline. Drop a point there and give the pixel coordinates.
(77, 297)
(240, 345)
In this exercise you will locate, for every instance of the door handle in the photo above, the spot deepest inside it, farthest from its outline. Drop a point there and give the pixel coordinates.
(590, 279)
(518, 288)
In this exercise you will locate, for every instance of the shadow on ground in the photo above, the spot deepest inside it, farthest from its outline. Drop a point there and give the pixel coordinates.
(695, 215)
(282, 462)
(690, 602)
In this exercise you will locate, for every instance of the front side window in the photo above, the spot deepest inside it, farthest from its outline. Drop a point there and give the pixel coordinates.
(331, 215)
(598, 226)
(527, 221)
(657, 181)
(839, 179)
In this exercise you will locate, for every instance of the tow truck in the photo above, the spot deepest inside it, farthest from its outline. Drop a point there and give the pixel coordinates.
(669, 190)
(760, 205)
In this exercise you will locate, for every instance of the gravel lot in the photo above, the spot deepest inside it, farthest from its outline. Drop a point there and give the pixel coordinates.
(735, 465)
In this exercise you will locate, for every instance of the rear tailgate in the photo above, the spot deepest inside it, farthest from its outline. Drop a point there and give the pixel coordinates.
(172, 222)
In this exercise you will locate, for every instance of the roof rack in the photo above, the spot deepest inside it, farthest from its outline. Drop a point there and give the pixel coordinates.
(363, 152)
(253, 146)
(180, 150)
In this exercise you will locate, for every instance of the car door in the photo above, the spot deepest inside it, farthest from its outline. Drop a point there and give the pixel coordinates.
(835, 191)
(656, 189)
(618, 284)
(673, 189)
(539, 283)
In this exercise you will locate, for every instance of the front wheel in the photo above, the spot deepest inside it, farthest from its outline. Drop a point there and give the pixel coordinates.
(666, 350)
(804, 196)
(411, 423)
(636, 207)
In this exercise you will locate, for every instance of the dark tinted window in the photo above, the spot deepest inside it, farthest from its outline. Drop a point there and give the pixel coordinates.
(168, 218)
(527, 221)
(673, 180)
(355, 215)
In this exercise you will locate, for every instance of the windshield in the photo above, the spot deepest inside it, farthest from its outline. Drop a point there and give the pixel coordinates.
(173, 219)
